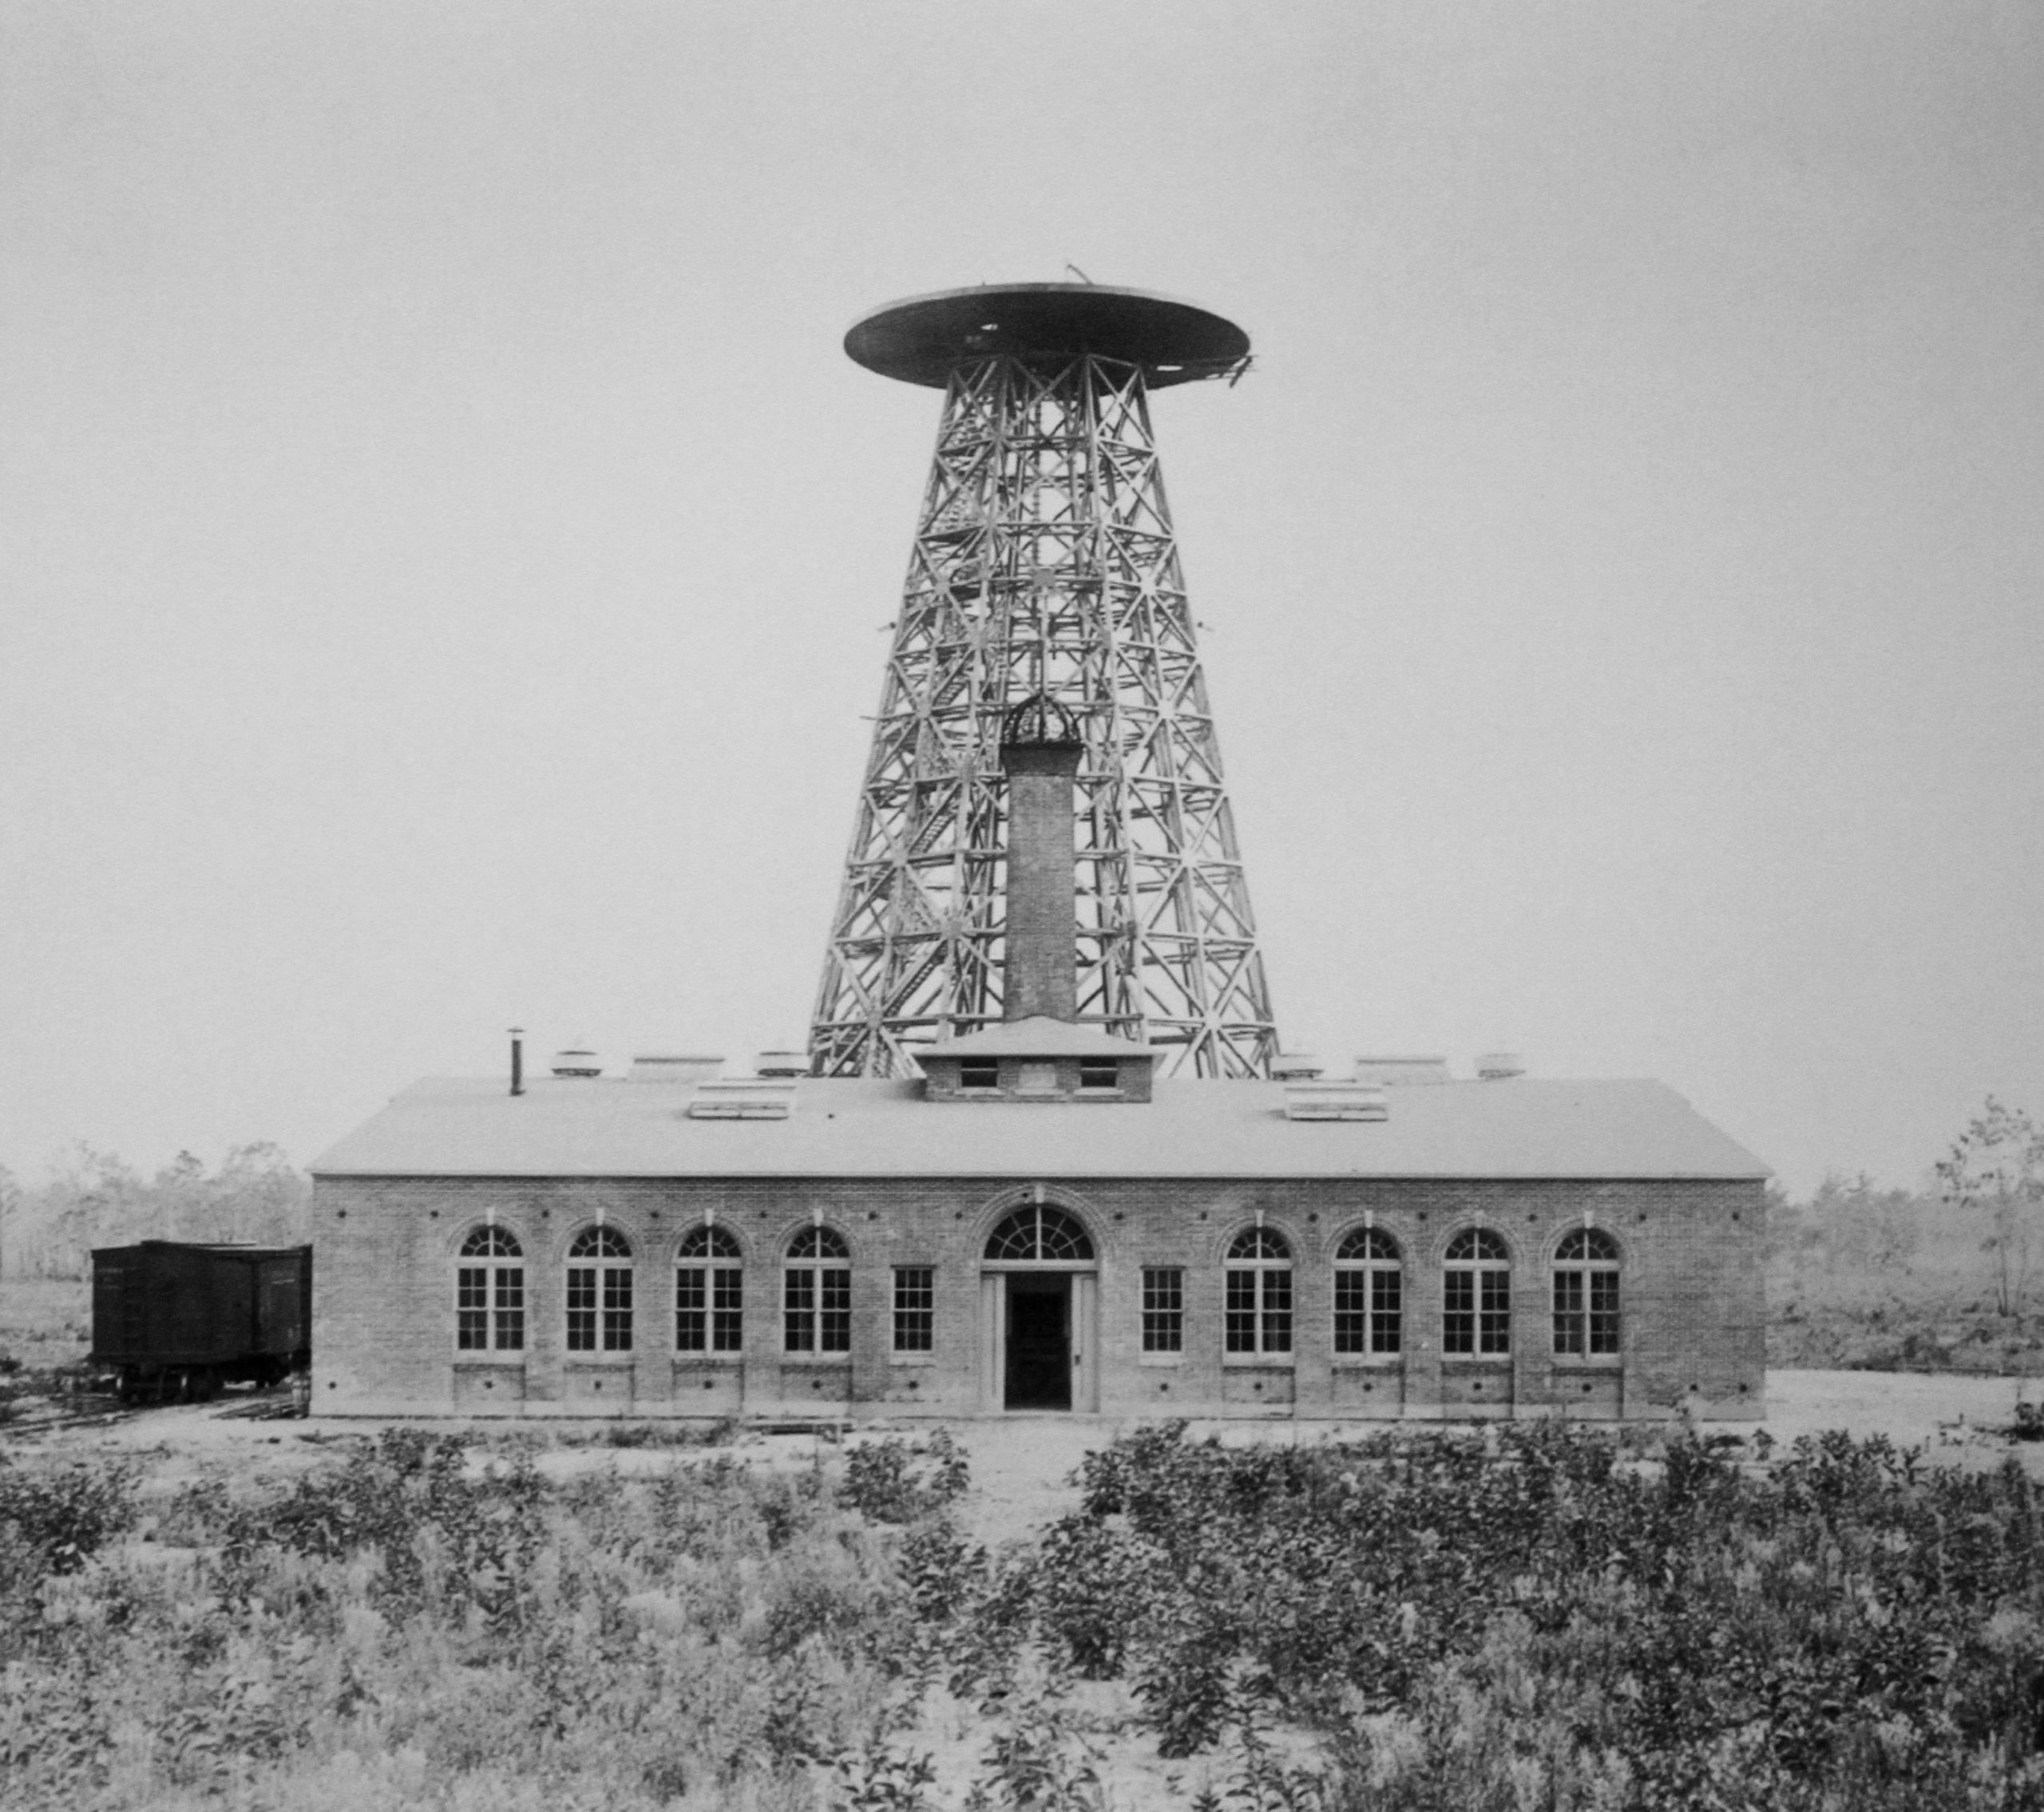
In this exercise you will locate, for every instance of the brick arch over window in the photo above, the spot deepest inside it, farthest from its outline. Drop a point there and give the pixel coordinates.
(711, 1242)
(1040, 1232)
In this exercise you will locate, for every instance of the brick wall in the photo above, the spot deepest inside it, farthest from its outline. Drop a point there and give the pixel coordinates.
(383, 1341)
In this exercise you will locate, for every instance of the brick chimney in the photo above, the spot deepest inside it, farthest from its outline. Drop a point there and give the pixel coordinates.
(1040, 753)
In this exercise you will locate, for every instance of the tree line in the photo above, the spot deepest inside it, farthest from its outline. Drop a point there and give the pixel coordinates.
(94, 1198)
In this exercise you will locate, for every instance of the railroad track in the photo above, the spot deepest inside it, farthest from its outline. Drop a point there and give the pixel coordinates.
(271, 1407)
(47, 1424)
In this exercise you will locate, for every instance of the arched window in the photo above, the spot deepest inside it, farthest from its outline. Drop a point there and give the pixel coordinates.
(816, 1299)
(1039, 1233)
(1259, 1305)
(490, 1294)
(1477, 1295)
(709, 1293)
(1586, 1295)
(1368, 1294)
(600, 1291)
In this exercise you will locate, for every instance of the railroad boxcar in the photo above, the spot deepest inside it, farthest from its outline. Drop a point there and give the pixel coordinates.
(176, 1320)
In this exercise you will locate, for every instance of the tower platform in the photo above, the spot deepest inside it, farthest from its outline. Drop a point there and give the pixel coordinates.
(925, 339)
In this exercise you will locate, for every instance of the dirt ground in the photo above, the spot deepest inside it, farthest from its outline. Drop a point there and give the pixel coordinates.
(1022, 1464)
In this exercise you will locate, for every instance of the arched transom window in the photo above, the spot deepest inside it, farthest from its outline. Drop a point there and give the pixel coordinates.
(600, 1291)
(1477, 1295)
(489, 1293)
(816, 1293)
(1368, 1294)
(1586, 1295)
(1259, 1301)
(1039, 1234)
(709, 1293)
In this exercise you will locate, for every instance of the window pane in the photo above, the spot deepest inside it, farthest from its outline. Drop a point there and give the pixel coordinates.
(800, 1321)
(1241, 1317)
(511, 1308)
(471, 1314)
(728, 1306)
(1351, 1311)
(691, 1330)
(581, 1309)
(1494, 1326)
(915, 1310)
(1277, 1312)
(1603, 1311)
(1385, 1318)
(1568, 1312)
(1164, 1311)
(1459, 1312)
(834, 1320)
(617, 1309)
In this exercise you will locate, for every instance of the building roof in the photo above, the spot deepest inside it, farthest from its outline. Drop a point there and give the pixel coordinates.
(854, 1127)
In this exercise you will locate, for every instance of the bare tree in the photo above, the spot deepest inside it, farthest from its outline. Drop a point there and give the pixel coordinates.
(1996, 1169)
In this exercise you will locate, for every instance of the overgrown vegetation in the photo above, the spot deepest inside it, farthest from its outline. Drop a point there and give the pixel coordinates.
(1525, 1615)
(1936, 1279)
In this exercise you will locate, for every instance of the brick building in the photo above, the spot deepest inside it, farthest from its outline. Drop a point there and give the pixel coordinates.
(1034, 1219)
(1039, 1224)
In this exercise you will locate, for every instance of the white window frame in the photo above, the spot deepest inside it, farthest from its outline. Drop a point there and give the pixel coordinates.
(500, 1272)
(1381, 1259)
(825, 1275)
(1587, 1273)
(1489, 1274)
(1261, 1274)
(605, 1271)
(721, 1268)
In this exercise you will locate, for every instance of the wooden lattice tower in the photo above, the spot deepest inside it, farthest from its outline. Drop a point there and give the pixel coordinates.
(1045, 563)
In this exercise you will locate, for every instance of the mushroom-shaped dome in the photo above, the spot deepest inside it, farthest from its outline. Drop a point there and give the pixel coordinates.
(1039, 722)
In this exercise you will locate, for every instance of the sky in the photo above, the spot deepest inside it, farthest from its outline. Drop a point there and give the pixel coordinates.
(446, 552)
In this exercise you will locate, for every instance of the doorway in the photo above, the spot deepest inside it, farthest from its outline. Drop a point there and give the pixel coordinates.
(1037, 1369)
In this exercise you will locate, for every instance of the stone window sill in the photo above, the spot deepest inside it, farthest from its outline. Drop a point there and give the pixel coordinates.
(1161, 1359)
(1261, 1362)
(912, 1358)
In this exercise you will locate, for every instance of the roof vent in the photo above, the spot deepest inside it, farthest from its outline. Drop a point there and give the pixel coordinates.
(1500, 1066)
(660, 1067)
(1403, 1072)
(743, 1098)
(577, 1063)
(782, 1063)
(1335, 1101)
(1293, 1067)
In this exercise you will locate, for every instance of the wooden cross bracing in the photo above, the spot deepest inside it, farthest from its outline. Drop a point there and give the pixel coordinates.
(1044, 561)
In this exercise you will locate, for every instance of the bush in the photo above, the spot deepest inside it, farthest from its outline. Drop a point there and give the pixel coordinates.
(65, 1517)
